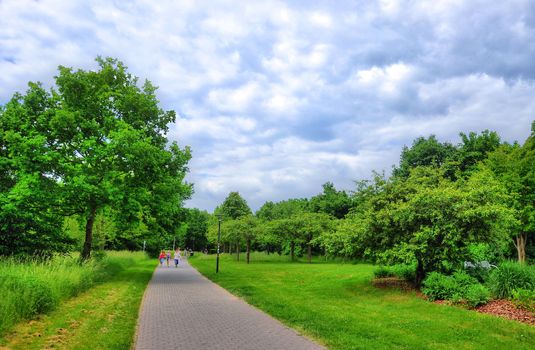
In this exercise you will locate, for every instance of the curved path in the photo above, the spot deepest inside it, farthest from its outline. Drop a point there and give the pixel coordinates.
(183, 310)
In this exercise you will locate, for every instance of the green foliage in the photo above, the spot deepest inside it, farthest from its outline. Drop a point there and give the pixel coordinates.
(402, 271)
(332, 202)
(515, 167)
(459, 287)
(439, 287)
(476, 294)
(233, 207)
(476, 148)
(383, 271)
(424, 152)
(32, 287)
(431, 220)
(283, 209)
(510, 276)
(524, 299)
(95, 141)
(197, 229)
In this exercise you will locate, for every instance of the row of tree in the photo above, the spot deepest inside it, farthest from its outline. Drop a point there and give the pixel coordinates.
(443, 204)
(91, 151)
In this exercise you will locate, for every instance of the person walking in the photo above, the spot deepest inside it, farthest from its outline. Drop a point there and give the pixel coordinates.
(161, 257)
(168, 257)
(177, 257)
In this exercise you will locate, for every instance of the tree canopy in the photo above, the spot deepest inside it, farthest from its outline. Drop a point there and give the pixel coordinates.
(96, 140)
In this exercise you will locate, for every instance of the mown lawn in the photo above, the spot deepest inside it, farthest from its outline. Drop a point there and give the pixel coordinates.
(336, 305)
(102, 317)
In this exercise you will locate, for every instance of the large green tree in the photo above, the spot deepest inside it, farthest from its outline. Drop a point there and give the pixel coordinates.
(514, 165)
(233, 207)
(104, 142)
(431, 220)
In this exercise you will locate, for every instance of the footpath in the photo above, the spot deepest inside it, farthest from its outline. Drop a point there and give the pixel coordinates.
(182, 309)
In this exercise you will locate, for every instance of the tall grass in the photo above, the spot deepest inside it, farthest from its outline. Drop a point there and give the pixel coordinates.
(32, 287)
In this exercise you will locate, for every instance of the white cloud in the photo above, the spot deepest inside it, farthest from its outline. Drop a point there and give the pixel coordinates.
(276, 98)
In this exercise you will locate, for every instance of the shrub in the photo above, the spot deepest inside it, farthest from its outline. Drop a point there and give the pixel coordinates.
(439, 287)
(476, 294)
(511, 276)
(382, 272)
(524, 299)
(458, 288)
(406, 272)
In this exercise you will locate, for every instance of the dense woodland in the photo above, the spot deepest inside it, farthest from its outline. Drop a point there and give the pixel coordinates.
(87, 166)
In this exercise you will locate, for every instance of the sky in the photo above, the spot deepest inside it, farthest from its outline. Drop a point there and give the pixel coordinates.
(276, 98)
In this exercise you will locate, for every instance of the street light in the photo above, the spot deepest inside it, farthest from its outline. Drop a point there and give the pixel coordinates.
(219, 218)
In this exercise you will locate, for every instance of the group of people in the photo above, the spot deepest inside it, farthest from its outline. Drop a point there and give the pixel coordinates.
(166, 256)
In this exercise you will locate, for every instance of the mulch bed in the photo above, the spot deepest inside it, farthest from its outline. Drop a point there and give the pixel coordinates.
(500, 308)
(506, 309)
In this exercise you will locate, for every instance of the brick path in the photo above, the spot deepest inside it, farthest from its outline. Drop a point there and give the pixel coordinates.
(183, 310)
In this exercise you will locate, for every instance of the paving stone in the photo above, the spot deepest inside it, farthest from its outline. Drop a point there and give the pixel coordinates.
(182, 309)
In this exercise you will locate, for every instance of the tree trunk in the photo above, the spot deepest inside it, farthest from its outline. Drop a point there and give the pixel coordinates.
(86, 252)
(309, 253)
(292, 250)
(520, 244)
(248, 249)
(420, 274)
(238, 251)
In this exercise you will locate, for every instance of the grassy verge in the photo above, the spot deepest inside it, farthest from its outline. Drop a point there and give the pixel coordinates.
(103, 316)
(337, 305)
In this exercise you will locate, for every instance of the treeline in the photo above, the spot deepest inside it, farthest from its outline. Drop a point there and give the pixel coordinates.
(442, 205)
(89, 157)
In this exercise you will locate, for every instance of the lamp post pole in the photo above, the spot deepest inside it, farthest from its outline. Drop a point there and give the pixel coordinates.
(218, 242)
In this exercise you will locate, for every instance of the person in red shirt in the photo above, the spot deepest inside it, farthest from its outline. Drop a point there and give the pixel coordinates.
(162, 257)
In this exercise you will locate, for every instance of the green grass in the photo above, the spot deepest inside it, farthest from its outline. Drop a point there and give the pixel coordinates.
(336, 305)
(97, 305)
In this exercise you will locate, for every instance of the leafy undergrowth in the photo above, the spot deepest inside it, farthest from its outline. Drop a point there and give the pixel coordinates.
(337, 305)
(102, 317)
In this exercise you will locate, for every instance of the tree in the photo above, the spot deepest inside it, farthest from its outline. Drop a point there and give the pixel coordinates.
(424, 152)
(475, 148)
(332, 202)
(233, 207)
(283, 209)
(310, 227)
(248, 228)
(430, 220)
(197, 228)
(105, 145)
(29, 220)
(514, 165)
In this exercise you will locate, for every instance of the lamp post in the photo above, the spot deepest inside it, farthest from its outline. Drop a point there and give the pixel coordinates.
(218, 241)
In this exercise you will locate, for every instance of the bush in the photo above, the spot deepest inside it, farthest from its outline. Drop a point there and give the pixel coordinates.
(476, 294)
(524, 299)
(458, 288)
(382, 272)
(439, 287)
(511, 276)
(405, 272)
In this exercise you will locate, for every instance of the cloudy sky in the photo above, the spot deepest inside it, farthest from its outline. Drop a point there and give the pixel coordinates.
(276, 98)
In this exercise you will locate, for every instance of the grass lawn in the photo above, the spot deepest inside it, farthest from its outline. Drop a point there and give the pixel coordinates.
(336, 305)
(102, 317)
